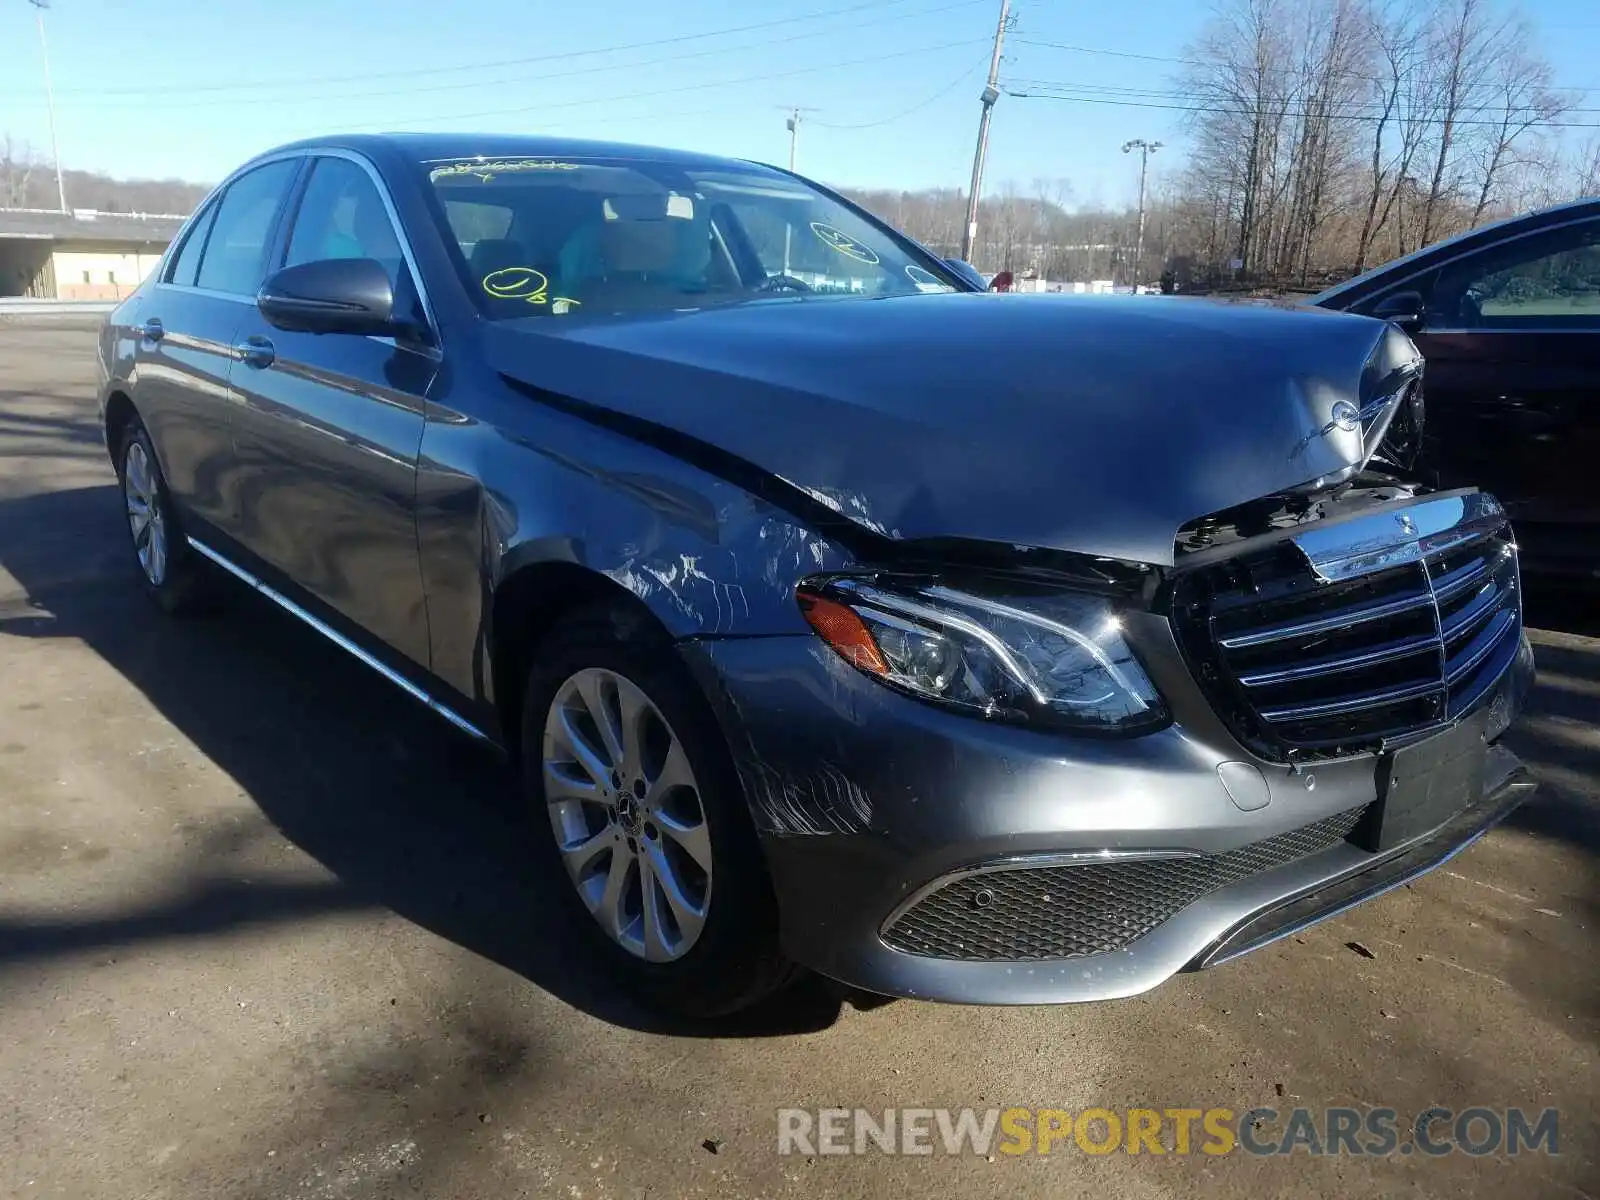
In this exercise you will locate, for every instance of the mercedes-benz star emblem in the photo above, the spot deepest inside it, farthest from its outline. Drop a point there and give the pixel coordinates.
(1345, 416)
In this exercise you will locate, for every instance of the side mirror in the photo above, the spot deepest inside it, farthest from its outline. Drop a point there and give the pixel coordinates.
(968, 273)
(1405, 309)
(330, 295)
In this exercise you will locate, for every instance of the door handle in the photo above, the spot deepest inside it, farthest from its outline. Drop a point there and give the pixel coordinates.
(256, 351)
(150, 331)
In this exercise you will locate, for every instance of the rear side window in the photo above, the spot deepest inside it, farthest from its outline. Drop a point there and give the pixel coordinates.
(187, 262)
(235, 253)
(342, 215)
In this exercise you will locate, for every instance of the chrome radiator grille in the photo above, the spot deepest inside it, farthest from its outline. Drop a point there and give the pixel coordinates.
(1306, 658)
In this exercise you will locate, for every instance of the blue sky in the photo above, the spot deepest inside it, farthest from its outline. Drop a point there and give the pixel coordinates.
(173, 87)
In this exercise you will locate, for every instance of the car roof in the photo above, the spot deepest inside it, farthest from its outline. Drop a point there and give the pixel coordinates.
(426, 147)
(1482, 235)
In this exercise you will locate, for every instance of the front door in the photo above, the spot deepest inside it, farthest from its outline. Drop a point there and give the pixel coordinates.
(328, 429)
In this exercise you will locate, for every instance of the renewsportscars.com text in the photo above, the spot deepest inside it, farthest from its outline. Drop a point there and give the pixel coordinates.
(1435, 1131)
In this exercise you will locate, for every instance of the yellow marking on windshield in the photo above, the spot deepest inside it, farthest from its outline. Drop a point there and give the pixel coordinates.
(925, 280)
(486, 170)
(518, 283)
(843, 243)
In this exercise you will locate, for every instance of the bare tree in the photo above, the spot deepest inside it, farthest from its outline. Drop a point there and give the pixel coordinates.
(1395, 41)
(1326, 135)
(17, 163)
(1586, 170)
(1522, 101)
(1461, 46)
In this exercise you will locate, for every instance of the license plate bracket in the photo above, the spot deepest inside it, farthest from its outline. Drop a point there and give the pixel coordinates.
(1421, 787)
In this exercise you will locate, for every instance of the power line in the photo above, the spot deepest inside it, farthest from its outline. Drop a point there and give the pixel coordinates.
(1350, 106)
(1195, 62)
(541, 77)
(915, 108)
(586, 101)
(1222, 110)
(268, 84)
(1109, 53)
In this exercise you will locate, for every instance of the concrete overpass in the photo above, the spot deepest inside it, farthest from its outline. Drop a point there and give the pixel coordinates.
(81, 255)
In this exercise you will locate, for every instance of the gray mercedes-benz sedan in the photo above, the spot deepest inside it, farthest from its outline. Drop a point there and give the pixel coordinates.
(964, 646)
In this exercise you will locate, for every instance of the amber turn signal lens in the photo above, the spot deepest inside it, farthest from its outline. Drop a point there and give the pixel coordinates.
(838, 625)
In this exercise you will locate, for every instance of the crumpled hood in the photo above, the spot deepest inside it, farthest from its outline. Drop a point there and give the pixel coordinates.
(1100, 425)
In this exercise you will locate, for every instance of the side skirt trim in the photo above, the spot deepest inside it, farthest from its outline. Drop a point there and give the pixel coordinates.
(339, 639)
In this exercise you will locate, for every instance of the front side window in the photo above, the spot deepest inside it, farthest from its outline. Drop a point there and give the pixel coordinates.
(235, 253)
(541, 236)
(1545, 280)
(342, 215)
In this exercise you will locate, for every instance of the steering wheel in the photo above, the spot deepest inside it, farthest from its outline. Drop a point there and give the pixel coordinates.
(781, 282)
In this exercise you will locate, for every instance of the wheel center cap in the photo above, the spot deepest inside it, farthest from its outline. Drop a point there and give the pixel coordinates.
(629, 815)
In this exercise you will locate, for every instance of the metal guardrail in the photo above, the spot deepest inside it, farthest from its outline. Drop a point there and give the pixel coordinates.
(13, 306)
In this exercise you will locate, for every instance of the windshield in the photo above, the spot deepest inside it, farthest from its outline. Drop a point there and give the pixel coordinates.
(543, 236)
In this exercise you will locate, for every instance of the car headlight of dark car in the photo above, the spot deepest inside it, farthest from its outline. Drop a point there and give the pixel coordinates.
(1055, 658)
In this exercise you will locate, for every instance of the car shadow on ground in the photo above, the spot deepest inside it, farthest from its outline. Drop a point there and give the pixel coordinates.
(407, 814)
(1559, 733)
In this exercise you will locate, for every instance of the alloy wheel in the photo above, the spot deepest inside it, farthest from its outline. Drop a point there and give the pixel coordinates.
(147, 518)
(627, 814)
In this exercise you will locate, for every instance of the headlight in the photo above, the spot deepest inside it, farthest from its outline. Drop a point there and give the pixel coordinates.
(1056, 658)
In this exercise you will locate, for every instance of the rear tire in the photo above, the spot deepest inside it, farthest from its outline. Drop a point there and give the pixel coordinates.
(169, 569)
(649, 841)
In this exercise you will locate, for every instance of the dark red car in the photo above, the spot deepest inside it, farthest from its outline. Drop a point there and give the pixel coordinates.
(1508, 318)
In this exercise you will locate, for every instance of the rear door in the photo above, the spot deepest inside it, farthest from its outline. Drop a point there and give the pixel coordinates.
(1512, 340)
(185, 335)
(329, 426)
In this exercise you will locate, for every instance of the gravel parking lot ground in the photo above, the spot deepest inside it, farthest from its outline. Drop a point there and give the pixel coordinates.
(265, 932)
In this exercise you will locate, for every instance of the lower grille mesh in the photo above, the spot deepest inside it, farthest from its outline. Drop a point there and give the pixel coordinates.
(1030, 913)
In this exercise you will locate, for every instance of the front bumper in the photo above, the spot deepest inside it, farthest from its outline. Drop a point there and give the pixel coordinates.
(866, 801)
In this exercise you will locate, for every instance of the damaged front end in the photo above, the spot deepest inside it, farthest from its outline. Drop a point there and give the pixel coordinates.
(1022, 774)
(1116, 662)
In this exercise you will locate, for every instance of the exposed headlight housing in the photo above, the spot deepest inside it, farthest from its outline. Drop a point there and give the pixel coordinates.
(1054, 658)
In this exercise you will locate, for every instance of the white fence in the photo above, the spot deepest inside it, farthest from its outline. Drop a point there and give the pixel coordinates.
(24, 306)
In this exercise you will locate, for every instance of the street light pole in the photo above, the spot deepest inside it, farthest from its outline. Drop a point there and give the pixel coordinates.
(991, 93)
(794, 138)
(1145, 149)
(50, 100)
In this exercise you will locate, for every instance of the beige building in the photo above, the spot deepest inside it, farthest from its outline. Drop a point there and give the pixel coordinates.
(81, 255)
(102, 274)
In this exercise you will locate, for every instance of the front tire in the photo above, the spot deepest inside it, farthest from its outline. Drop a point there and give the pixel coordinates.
(169, 570)
(641, 821)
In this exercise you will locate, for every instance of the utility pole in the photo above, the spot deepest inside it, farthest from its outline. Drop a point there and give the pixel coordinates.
(991, 93)
(794, 141)
(1145, 149)
(794, 138)
(794, 134)
(50, 100)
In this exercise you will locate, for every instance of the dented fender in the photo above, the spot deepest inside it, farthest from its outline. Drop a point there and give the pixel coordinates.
(519, 486)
